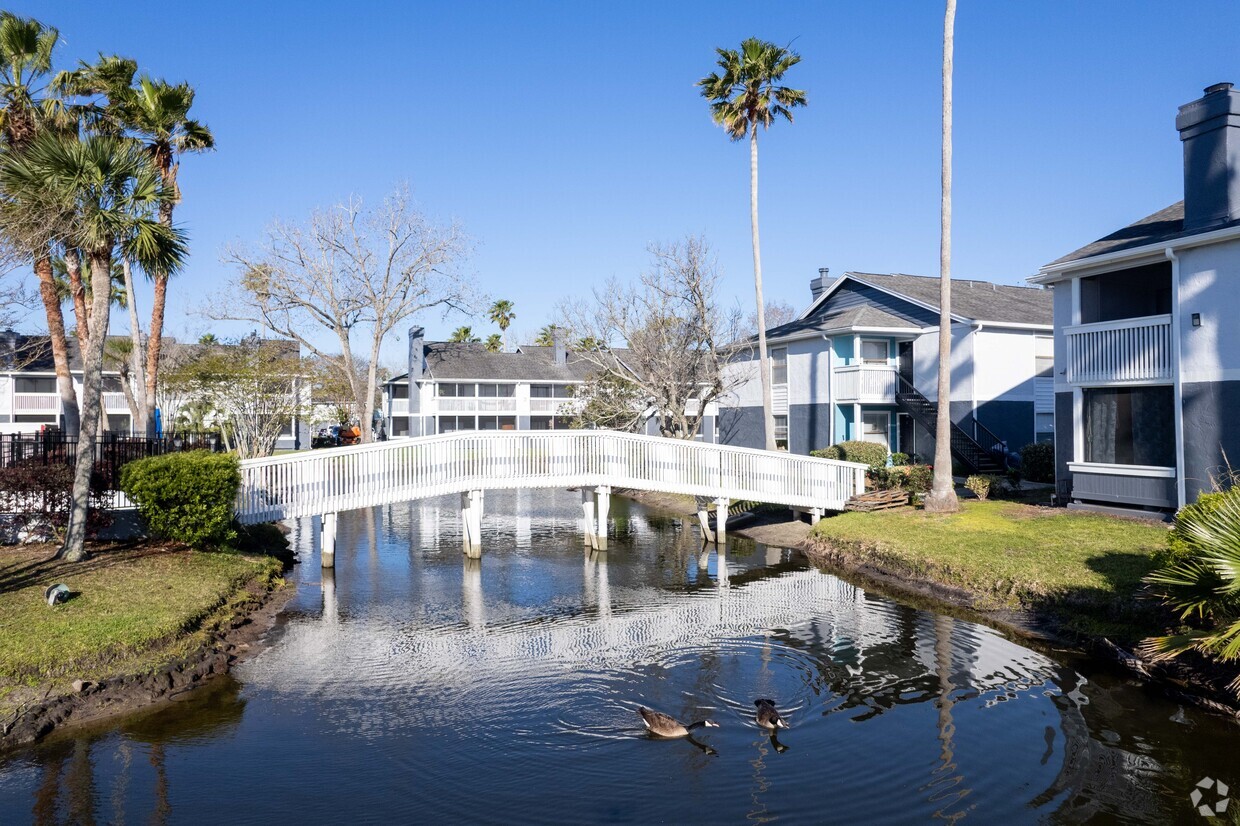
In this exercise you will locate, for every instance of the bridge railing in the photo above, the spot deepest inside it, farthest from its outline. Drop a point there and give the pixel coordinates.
(330, 480)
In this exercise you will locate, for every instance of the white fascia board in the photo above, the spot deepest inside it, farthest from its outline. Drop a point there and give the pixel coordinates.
(1013, 325)
(848, 276)
(838, 331)
(1071, 269)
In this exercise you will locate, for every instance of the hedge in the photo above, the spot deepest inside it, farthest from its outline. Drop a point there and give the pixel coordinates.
(1037, 462)
(867, 453)
(187, 497)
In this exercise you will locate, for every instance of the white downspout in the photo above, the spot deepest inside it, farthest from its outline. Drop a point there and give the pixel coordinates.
(830, 389)
(1177, 386)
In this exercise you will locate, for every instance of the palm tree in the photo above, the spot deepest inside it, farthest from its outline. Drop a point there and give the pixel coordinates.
(545, 337)
(158, 113)
(942, 495)
(1204, 587)
(112, 192)
(743, 96)
(502, 314)
(494, 343)
(208, 339)
(26, 47)
(464, 335)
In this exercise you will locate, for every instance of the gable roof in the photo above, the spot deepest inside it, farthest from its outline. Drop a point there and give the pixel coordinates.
(446, 361)
(863, 316)
(973, 301)
(1165, 225)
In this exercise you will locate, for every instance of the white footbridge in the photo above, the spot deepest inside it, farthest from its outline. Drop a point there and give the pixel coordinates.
(325, 482)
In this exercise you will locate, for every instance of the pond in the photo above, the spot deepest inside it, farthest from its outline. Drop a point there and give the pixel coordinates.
(415, 686)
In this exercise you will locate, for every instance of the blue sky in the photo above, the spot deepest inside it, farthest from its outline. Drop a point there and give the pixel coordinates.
(566, 137)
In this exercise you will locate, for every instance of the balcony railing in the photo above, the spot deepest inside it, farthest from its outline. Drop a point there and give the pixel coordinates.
(484, 404)
(866, 384)
(400, 407)
(36, 403)
(1126, 351)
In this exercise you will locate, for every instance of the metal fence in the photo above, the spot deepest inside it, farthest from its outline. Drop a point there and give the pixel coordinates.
(112, 451)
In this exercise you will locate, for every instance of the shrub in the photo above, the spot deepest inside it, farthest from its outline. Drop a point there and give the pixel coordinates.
(1181, 544)
(38, 495)
(867, 453)
(900, 460)
(917, 478)
(1014, 478)
(981, 485)
(1037, 461)
(187, 497)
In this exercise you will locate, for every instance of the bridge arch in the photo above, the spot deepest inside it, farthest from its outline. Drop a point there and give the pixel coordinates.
(328, 481)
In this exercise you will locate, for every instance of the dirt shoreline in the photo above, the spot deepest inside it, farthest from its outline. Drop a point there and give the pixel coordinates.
(1193, 683)
(236, 636)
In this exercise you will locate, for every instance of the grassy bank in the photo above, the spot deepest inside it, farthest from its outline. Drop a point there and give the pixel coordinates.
(1073, 571)
(133, 609)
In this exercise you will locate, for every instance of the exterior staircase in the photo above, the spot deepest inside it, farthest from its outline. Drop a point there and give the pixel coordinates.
(983, 452)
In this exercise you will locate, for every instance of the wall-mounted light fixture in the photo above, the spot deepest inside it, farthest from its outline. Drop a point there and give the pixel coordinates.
(1196, 319)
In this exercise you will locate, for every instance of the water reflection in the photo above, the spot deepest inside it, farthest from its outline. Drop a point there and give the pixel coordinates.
(411, 671)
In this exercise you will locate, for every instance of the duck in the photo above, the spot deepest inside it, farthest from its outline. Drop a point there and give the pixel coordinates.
(657, 722)
(767, 716)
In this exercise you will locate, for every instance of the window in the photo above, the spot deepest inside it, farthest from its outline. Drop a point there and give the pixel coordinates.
(497, 423)
(457, 390)
(779, 366)
(25, 384)
(874, 351)
(1044, 427)
(400, 426)
(400, 391)
(874, 426)
(551, 391)
(540, 422)
(1130, 426)
(1044, 357)
(451, 424)
(781, 432)
(112, 384)
(35, 418)
(1130, 293)
(496, 391)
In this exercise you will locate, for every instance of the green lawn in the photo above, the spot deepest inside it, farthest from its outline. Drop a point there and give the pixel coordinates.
(1081, 571)
(135, 608)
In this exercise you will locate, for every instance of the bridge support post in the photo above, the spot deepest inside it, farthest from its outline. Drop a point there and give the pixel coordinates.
(703, 514)
(589, 532)
(815, 515)
(327, 540)
(721, 521)
(602, 495)
(471, 523)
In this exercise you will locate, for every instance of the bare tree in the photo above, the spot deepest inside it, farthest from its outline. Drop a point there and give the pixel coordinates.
(352, 273)
(673, 331)
(777, 313)
(253, 389)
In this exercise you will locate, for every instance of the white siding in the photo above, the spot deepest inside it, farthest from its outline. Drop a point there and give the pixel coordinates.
(1004, 365)
(1210, 286)
(926, 364)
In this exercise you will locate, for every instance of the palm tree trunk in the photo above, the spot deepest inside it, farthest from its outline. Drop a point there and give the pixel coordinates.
(74, 548)
(942, 496)
(768, 411)
(59, 344)
(155, 343)
(155, 338)
(73, 263)
(143, 414)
